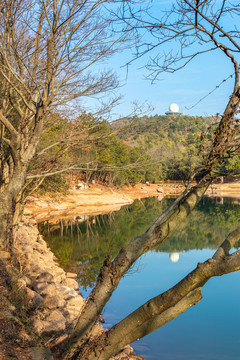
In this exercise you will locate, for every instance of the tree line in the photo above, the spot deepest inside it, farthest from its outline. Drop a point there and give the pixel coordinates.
(98, 155)
(127, 151)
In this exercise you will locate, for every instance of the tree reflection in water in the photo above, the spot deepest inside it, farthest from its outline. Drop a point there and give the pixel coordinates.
(81, 244)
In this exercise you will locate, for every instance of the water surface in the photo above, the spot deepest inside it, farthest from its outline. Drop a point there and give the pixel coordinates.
(207, 331)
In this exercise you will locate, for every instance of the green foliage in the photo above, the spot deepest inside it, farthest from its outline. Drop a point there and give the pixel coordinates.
(126, 152)
(206, 227)
(231, 165)
(120, 163)
(100, 153)
(172, 142)
(54, 184)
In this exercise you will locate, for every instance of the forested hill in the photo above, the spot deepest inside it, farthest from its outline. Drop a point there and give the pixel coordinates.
(162, 125)
(171, 141)
(126, 151)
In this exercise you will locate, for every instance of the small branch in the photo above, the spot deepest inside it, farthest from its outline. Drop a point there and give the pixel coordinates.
(78, 166)
(214, 23)
(19, 93)
(226, 246)
(8, 125)
(7, 141)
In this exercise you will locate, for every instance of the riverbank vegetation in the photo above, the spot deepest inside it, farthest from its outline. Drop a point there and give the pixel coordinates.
(98, 154)
(145, 149)
(127, 151)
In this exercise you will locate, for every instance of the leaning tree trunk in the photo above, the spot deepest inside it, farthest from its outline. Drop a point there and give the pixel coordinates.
(165, 307)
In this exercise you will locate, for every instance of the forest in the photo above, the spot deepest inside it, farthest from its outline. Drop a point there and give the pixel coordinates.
(126, 151)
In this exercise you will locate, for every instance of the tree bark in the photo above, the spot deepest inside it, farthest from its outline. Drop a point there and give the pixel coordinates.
(165, 307)
(112, 272)
(10, 207)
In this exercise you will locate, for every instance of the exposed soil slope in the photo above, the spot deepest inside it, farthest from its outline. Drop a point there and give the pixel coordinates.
(98, 199)
(92, 201)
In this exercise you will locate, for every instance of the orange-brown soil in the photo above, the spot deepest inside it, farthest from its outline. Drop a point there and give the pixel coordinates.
(225, 190)
(98, 199)
(95, 200)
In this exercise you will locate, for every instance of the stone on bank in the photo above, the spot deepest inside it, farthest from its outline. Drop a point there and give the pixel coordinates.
(51, 293)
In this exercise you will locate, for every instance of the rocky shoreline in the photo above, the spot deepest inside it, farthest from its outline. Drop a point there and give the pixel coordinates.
(50, 294)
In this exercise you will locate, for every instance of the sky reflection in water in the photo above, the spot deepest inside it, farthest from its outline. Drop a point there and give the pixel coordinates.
(207, 331)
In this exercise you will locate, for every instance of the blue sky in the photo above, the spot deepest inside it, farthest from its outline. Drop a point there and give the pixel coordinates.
(184, 87)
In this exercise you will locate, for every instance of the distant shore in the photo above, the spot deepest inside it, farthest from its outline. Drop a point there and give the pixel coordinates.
(98, 199)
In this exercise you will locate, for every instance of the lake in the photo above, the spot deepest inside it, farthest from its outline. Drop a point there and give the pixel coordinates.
(207, 331)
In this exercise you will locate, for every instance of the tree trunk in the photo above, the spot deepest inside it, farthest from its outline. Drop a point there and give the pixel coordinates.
(10, 209)
(6, 217)
(112, 271)
(163, 308)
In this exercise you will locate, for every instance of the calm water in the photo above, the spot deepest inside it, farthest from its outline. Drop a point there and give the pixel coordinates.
(207, 331)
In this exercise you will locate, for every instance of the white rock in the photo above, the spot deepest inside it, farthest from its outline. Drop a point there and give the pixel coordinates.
(66, 291)
(71, 316)
(42, 248)
(58, 274)
(70, 283)
(45, 276)
(45, 288)
(37, 325)
(27, 250)
(71, 275)
(76, 301)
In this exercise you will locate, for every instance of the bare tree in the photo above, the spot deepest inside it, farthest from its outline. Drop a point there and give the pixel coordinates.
(189, 23)
(48, 50)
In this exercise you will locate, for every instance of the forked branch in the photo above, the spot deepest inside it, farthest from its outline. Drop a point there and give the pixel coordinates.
(165, 307)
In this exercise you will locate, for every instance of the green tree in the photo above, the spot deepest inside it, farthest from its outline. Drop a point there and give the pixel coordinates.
(171, 142)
